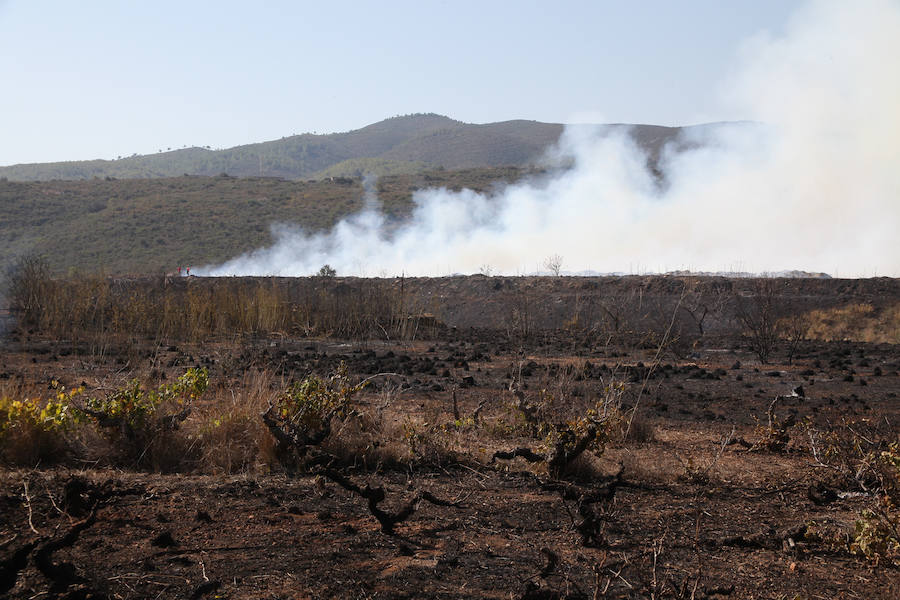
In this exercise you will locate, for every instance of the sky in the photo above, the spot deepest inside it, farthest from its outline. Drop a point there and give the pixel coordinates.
(102, 79)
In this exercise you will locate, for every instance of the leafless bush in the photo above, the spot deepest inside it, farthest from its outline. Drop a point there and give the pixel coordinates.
(554, 264)
(763, 311)
(27, 282)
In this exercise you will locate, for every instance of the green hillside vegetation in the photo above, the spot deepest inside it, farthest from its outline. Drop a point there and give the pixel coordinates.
(359, 167)
(407, 144)
(140, 226)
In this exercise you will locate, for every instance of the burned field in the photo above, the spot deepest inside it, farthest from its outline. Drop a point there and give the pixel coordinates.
(641, 437)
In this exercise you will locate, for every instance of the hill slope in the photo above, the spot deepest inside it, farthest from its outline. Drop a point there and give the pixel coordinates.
(154, 225)
(407, 144)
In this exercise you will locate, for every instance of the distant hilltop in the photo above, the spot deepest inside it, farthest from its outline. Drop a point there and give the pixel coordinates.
(399, 145)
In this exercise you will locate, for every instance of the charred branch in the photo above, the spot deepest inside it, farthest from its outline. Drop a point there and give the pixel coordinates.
(62, 574)
(173, 422)
(770, 539)
(582, 494)
(290, 435)
(526, 453)
(305, 440)
(374, 496)
(591, 523)
(476, 414)
(568, 448)
(552, 560)
(590, 527)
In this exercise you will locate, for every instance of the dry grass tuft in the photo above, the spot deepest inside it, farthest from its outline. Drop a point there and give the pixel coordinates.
(231, 435)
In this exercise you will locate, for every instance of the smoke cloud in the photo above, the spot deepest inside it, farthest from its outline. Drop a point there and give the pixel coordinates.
(811, 182)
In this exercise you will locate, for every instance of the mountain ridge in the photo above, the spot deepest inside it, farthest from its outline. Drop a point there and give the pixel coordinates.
(408, 143)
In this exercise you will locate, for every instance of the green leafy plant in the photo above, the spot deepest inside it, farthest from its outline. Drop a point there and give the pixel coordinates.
(877, 531)
(50, 415)
(34, 430)
(877, 534)
(301, 418)
(133, 408)
(140, 423)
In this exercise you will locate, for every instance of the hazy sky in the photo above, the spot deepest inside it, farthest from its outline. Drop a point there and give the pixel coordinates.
(98, 79)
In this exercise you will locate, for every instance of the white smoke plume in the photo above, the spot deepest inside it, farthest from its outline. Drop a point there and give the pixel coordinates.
(814, 186)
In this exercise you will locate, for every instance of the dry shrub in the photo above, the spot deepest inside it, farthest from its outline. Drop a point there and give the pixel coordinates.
(429, 445)
(365, 437)
(28, 281)
(232, 442)
(158, 450)
(170, 451)
(30, 445)
(859, 455)
(366, 441)
(641, 431)
(865, 456)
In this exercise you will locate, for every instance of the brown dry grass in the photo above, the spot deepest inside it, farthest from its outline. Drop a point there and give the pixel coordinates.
(100, 310)
(859, 322)
(228, 428)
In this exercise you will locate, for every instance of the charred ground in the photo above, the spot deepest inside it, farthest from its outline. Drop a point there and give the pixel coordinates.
(714, 492)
